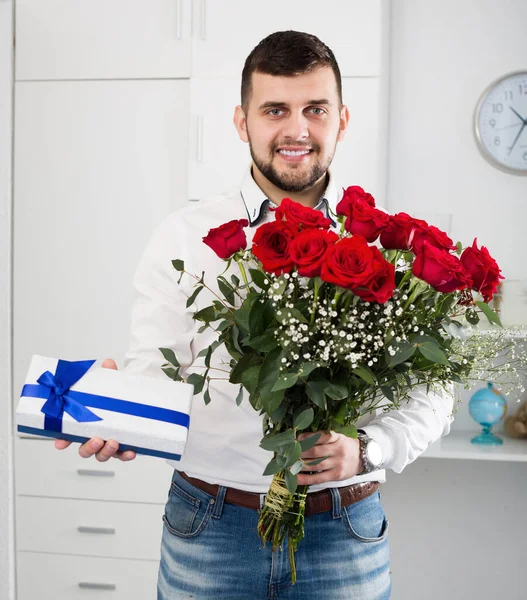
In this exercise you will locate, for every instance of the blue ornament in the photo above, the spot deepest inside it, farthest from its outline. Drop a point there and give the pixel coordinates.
(487, 407)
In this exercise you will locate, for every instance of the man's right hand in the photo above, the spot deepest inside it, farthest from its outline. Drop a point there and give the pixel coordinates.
(102, 450)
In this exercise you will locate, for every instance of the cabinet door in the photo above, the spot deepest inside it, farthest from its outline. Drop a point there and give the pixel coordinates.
(98, 165)
(225, 32)
(102, 39)
(360, 158)
(218, 158)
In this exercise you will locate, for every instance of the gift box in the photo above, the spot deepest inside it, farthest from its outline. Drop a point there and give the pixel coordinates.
(72, 400)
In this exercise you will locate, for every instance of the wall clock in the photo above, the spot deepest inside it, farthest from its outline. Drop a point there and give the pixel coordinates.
(500, 123)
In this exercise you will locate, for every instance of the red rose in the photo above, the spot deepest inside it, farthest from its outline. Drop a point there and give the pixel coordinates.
(483, 269)
(362, 218)
(352, 264)
(442, 270)
(309, 248)
(271, 247)
(400, 231)
(299, 216)
(433, 236)
(228, 238)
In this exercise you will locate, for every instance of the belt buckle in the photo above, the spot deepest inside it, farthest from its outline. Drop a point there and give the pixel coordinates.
(262, 500)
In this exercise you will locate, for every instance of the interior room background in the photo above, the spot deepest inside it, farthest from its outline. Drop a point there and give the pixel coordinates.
(94, 146)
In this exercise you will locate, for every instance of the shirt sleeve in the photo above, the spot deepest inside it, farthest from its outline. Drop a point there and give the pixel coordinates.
(405, 433)
(159, 317)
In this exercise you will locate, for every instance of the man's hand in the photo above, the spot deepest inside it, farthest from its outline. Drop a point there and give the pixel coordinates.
(103, 451)
(343, 458)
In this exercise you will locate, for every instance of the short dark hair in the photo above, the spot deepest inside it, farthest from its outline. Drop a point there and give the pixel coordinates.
(288, 53)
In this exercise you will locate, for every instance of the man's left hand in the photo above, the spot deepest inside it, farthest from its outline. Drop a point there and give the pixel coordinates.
(343, 458)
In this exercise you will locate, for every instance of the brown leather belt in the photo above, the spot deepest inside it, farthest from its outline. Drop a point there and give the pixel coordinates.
(316, 502)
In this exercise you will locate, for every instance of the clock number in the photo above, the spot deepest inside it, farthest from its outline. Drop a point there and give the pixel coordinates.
(497, 108)
(508, 95)
(523, 88)
(497, 140)
(525, 156)
(492, 123)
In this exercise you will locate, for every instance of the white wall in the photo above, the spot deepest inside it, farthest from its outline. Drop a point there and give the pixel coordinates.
(7, 575)
(457, 527)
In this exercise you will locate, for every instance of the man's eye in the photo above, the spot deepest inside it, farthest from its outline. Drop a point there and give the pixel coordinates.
(275, 112)
(317, 110)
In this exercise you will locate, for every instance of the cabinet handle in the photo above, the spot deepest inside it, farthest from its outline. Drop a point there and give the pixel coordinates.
(179, 18)
(199, 138)
(203, 18)
(86, 529)
(95, 473)
(96, 586)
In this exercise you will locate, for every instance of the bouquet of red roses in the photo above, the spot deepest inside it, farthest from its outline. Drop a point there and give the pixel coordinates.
(326, 326)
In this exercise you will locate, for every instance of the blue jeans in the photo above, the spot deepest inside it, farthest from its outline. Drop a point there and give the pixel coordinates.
(210, 550)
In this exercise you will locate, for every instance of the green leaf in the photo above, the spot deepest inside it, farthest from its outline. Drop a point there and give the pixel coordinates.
(434, 353)
(249, 378)
(272, 401)
(239, 397)
(315, 392)
(286, 314)
(197, 381)
(459, 248)
(297, 467)
(489, 313)
(258, 278)
(303, 419)
(206, 396)
(293, 453)
(336, 391)
(365, 373)
(307, 368)
(226, 289)
(269, 371)
(169, 355)
(260, 316)
(291, 482)
(403, 351)
(272, 467)
(207, 356)
(237, 372)
(179, 265)
(472, 316)
(388, 392)
(192, 297)
(207, 315)
(310, 441)
(348, 430)
(235, 334)
(263, 343)
(278, 441)
(235, 280)
(284, 382)
(278, 414)
(172, 373)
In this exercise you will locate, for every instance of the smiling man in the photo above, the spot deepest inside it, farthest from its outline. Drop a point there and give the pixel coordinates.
(292, 117)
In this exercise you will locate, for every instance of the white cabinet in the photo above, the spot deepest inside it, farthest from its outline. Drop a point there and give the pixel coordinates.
(102, 39)
(227, 31)
(98, 165)
(140, 39)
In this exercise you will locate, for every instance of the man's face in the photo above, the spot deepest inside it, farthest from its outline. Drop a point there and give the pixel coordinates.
(292, 126)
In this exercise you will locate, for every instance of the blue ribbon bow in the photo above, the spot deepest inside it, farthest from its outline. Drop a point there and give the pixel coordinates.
(55, 388)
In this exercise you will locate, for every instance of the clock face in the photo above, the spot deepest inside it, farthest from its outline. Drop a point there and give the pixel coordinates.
(500, 123)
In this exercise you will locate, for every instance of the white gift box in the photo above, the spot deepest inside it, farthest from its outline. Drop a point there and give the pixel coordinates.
(145, 414)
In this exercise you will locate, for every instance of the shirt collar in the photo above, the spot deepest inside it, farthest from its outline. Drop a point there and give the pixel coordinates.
(256, 201)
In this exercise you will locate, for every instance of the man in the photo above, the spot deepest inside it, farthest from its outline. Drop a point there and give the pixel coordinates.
(292, 117)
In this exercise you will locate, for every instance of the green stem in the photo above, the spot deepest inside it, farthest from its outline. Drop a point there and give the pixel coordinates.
(315, 299)
(242, 271)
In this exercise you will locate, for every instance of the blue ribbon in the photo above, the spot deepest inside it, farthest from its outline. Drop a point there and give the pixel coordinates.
(55, 388)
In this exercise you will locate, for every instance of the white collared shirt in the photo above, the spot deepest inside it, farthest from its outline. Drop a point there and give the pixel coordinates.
(223, 440)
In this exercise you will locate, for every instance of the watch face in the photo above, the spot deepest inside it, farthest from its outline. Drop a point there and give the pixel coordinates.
(500, 123)
(374, 453)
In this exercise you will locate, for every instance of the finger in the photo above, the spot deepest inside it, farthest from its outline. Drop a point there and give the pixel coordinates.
(90, 447)
(323, 477)
(317, 452)
(61, 444)
(325, 437)
(107, 451)
(109, 363)
(324, 465)
(125, 455)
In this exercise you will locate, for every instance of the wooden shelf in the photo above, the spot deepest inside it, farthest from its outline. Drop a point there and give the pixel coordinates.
(457, 445)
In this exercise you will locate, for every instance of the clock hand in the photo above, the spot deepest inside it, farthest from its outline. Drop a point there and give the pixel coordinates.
(519, 117)
(516, 138)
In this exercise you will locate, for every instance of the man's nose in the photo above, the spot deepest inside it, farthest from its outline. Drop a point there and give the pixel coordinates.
(296, 127)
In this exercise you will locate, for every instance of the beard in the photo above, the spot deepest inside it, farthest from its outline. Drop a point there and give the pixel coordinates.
(294, 179)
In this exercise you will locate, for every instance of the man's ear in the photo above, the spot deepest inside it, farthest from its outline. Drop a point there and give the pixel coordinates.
(240, 122)
(344, 120)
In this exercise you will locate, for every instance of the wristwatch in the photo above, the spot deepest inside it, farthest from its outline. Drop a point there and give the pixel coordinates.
(370, 452)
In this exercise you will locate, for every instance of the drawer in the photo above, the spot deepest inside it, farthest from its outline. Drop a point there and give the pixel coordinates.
(42, 470)
(65, 577)
(93, 528)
